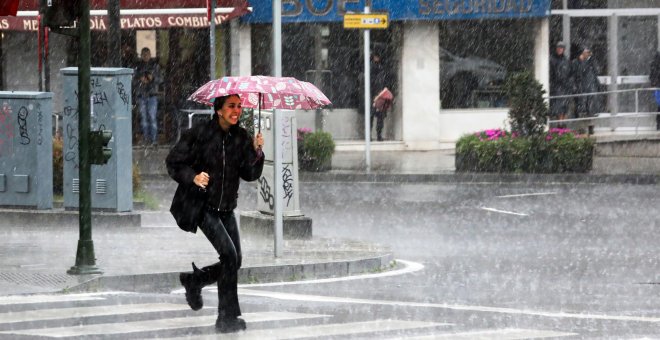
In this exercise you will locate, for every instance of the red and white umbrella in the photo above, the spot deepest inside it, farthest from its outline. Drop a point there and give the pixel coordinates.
(263, 92)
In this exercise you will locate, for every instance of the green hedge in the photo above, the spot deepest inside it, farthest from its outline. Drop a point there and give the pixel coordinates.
(559, 150)
(315, 150)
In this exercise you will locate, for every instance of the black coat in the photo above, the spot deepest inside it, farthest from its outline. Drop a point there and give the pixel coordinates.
(225, 156)
(561, 75)
(586, 76)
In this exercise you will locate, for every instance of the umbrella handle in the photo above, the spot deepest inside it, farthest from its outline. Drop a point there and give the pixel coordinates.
(259, 112)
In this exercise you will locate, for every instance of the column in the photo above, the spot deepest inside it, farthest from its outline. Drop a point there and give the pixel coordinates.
(241, 50)
(542, 53)
(420, 85)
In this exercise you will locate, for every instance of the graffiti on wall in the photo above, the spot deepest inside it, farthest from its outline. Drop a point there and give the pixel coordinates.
(264, 192)
(287, 183)
(22, 125)
(71, 151)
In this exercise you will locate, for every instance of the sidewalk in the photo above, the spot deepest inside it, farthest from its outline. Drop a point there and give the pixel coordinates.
(35, 259)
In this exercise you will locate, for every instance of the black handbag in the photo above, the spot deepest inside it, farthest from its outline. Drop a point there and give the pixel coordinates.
(188, 207)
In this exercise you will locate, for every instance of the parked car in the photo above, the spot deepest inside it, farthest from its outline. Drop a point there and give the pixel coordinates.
(466, 80)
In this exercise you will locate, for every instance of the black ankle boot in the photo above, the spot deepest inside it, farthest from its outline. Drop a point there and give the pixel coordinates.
(229, 325)
(193, 284)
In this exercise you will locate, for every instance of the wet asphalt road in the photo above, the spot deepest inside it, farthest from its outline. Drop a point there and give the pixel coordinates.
(572, 258)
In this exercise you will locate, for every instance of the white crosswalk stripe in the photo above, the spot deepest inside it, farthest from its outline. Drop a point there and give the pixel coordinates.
(496, 334)
(153, 325)
(347, 329)
(352, 328)
(29, 299)
(118, 316)
(82, 312)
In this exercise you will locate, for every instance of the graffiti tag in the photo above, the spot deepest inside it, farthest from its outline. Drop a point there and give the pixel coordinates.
(264, 191)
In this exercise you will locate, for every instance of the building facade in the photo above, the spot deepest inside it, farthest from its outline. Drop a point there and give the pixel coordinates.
(444, 60)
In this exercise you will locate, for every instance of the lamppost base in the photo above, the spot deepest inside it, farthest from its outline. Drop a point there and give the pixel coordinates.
(84, 270)
(85, 259)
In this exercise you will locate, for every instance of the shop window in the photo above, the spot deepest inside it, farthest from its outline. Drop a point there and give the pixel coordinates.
(476, 56)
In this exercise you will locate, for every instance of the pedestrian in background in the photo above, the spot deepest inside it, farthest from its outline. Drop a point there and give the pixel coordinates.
(379, 83)
(561, 82)
(147, 79)
(655, 82)
(586, 80)
(208, 163)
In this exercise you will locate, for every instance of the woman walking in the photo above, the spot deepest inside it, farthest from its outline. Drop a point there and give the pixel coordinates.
(207, 163)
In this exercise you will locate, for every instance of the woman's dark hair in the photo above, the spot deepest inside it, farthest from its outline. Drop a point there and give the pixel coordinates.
(218, 102)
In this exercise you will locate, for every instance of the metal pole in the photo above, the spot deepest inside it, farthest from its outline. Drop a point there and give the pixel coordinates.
(85, 258)
(613, 61)
(367, 97)
(318, 45)
(46, 58)
(114, 34)
(2, 86)
(277, 138)
(636, 100)
(212, 40)
(566, 35)
(40, 50)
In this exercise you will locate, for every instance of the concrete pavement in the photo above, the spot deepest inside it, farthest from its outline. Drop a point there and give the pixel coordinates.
(148, 259)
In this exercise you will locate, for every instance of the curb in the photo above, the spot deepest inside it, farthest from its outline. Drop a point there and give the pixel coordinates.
(166, 282)
(341, 176)
(60, 217)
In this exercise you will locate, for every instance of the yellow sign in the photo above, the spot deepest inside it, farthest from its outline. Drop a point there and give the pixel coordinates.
(368, 21)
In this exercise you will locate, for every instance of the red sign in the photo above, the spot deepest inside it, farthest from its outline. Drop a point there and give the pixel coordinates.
(127, 22)
(33, 5)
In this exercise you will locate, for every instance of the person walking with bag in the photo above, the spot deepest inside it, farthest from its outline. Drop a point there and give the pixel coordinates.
(383, 101)
(208, 163)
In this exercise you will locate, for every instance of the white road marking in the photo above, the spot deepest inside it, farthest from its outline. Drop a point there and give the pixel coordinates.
(324, 330)
(82, 312)
(345, 329)
(335, 299)
(498, 334)
(28, 299)
(154, 325)
(530, 194)
(503, 211)
(409, 267)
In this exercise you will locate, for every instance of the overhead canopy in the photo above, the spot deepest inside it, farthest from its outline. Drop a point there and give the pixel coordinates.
(143, 14)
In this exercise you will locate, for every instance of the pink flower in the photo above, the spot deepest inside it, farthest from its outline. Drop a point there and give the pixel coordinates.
(302, 132)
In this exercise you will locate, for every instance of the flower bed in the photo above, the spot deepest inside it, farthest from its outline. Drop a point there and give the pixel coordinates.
(557, 150)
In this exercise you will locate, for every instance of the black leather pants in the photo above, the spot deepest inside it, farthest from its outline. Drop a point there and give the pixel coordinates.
(221, 230)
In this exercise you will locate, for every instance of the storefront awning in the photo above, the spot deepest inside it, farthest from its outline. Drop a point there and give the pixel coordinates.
(144, 14)
(399, 10)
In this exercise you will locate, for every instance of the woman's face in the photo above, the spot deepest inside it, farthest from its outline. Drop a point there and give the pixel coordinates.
(231, 110)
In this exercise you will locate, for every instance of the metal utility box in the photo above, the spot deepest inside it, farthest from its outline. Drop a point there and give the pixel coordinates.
(112, 183)
(26, 149)
(289, 176)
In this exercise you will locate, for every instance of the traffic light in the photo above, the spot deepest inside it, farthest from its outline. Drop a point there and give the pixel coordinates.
(99, 152)
(62, 13)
